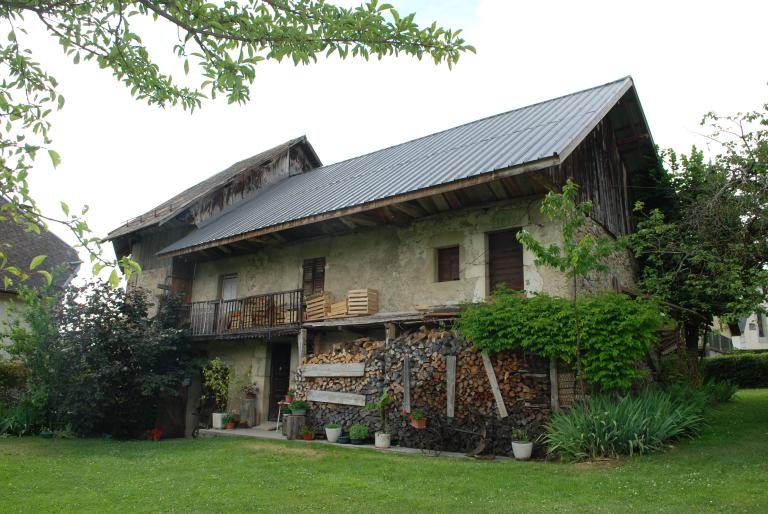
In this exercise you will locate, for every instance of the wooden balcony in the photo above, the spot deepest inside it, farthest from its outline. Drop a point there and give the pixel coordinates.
(260, 315)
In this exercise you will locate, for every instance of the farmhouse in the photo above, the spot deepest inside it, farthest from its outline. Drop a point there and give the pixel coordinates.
(289, 266)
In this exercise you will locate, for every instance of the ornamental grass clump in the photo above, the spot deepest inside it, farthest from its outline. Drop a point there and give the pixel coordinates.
(606, 426)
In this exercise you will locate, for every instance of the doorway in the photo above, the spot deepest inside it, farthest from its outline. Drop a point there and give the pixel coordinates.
(279, 377)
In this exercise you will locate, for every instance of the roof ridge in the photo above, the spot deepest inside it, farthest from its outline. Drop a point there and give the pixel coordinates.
(626, 77)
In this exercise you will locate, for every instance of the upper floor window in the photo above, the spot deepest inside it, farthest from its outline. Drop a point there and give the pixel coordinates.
(313, 276)
(228, 287)
(448, 264)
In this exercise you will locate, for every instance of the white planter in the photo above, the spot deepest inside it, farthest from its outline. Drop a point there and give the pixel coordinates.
(522, 451)
(217, 419)
(383, 440)
(332, 434)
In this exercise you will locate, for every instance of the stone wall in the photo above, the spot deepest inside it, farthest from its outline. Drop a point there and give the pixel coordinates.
(523, 381)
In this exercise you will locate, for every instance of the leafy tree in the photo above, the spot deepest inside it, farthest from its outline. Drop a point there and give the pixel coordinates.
(96, 362)
(578, 254)
(222, 42)
(706, 253)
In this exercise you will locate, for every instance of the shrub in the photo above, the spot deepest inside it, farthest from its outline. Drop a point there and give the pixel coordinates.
(332, 425)
(358, 432)
(742, 369)
(720, 392)
(616, 331)
(20, 419)
(605, 426)
(13, 378)
(680, 368)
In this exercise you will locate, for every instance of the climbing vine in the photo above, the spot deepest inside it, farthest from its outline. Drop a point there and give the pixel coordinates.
(616, 331)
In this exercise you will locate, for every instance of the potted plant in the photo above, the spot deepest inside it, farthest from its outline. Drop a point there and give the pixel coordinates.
(358, 433)
(332, 432)
(229, 421)
(418, 419)
(216, 377)
(289, 396)
(522, 447)
(343, 439)
(299, 407)
(46, 433)
(307, 432)
(250, 391)
(383, 438)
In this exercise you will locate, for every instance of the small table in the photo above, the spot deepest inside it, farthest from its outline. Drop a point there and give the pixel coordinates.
(280, 406)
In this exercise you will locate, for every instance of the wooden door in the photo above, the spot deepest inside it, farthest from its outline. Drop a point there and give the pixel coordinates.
(280, 376)
(505, 260)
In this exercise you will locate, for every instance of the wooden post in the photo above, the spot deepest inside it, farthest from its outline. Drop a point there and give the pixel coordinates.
(302, 341)
(390, 332)
(554, 384)
(450, 368)
(293, 425)
(316, 344)
(407, 384)
(494, 385)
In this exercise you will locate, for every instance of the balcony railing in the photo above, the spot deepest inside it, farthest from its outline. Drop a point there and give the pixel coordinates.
(261, 314)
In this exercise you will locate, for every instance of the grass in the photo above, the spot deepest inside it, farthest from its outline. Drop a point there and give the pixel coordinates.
(725, 470)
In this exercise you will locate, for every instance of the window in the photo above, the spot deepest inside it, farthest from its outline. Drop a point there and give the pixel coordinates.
(313, 276)
(228, 288)
(505, 260)
(760, 324)
(448, 264)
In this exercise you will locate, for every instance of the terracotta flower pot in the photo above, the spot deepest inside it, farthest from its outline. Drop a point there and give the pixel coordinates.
(230, 426)
(309, 437)
(288, 399)
(419, 423)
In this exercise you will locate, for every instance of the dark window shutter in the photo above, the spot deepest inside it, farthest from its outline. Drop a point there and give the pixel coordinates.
(448, 264)
(505, 260)
(313, 276)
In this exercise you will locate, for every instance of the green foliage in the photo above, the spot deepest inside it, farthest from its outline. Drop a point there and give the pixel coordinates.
(228, 418)
(520, 435)
(332, 425)
(705, 251)
(358, 432)
(616, 331)
(96, 361)
(22, 418)
(220, 44)
(580, 253)
(680, 368)
(216, 377)
(605, 426)
(720, 392)
(742, 369)
(299, 406)
(13, 379)
(417, 414)
(381, 406)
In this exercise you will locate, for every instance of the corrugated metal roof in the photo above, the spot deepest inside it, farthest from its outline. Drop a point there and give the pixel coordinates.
(181, 201)
(502, 141)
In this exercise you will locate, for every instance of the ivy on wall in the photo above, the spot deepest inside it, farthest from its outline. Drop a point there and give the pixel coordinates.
(616, 331)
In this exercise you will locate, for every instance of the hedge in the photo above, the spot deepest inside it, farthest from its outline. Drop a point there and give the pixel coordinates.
(743, 369)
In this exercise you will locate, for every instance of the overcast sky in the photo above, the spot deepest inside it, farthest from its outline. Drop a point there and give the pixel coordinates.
(122, 157)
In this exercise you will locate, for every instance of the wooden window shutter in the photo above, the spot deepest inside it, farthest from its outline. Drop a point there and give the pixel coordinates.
(505, 260)
(448, 264)
(313, 275)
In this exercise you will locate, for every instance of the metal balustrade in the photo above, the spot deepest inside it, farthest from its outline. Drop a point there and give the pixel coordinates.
(259, 314)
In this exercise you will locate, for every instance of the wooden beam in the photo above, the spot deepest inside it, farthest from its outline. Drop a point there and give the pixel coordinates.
(390, 332)
(554, 384)
(541, 178)
(225, 250)
(441, 203)
(453, 199)
(302, 344)
(412, 211)
(407, 384)
(450, 377)
(315, 395)
(353, 369)
(427, 204)
(404, 197)
(494, 385)
(498, 190)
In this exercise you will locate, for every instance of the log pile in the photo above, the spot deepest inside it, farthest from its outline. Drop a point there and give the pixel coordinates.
(522, 379)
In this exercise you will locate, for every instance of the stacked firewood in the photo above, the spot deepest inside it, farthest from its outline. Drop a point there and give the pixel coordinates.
(522, 379)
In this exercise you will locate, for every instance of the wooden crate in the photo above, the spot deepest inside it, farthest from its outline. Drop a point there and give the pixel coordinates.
(318, 306)
(362, 302)
(338, 309)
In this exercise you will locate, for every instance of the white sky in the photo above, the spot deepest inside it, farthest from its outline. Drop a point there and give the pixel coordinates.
(122, 157)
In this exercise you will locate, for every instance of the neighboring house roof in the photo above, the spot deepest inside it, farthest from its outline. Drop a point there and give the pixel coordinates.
(176, 205)
(21, 247)
(512, 139)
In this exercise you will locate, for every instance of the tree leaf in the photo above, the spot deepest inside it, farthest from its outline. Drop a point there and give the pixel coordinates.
(55, 158)
(37, 261)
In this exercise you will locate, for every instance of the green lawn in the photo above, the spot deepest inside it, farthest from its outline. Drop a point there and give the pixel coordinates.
(726, 470)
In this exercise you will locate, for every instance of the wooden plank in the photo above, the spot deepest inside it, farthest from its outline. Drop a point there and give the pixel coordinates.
(407, 385)
(390, 332)
(353, 369)
(450, 368)
(554, 384)
(302, 343)
(315, 395)
(494, 385)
